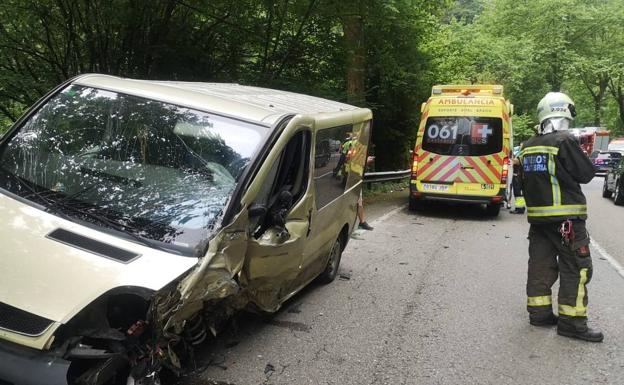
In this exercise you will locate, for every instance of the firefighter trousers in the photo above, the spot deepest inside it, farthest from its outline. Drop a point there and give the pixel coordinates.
(549, 259)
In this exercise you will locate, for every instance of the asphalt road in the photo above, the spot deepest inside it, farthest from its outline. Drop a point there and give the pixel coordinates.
(430, 298)
(606, 221)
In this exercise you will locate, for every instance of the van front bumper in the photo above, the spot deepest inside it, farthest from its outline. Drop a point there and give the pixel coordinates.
(26, 366)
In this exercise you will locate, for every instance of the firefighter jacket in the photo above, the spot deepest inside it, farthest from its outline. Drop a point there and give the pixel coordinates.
(553, 166)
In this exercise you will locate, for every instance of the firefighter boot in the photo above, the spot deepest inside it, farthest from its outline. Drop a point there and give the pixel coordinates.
(543, 319)
(581, 332)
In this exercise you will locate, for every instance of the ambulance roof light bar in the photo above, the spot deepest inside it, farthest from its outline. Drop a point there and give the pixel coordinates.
(467, 89)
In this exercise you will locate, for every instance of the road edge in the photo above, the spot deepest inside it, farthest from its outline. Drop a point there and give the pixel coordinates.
(388, 214)
(605, 254)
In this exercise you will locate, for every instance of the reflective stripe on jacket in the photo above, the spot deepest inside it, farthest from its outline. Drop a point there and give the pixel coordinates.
(552, 168)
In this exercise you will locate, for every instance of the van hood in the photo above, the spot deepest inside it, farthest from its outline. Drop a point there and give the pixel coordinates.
(56, 280)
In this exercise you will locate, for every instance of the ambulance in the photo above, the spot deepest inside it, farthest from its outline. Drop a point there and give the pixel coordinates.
(463, 147)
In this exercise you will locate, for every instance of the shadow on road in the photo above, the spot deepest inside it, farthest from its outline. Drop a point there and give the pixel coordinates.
(454, 211)
(241, 326)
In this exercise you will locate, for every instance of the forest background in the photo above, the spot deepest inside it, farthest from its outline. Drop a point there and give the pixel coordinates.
(383, 54)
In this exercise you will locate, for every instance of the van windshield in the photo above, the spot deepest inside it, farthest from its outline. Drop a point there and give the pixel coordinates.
(463, 135)
(146, 168)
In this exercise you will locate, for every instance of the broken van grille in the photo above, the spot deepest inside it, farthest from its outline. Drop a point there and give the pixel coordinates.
(23, 322)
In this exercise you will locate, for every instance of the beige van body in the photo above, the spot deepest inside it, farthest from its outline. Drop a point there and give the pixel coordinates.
(60, 267)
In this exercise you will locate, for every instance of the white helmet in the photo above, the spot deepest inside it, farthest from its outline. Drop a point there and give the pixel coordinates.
(555, 112)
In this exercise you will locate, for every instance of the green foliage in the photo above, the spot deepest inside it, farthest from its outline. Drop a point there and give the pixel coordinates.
(465, 10)
(374, 189)
(297, 45)
(382, 54)
(532, 47)
(395, 73)
(523, 128)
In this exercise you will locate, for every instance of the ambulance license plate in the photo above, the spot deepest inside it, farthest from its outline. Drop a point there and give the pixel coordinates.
(435, 187)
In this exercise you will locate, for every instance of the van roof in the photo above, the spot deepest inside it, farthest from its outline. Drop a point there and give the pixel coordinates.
(256, 104)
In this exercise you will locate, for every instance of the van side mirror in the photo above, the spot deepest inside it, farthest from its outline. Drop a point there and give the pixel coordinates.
(257, 210)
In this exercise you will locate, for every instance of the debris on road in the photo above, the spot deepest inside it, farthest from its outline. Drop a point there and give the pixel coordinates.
(344, 276)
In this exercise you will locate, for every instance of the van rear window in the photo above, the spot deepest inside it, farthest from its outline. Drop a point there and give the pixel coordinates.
(463, 135)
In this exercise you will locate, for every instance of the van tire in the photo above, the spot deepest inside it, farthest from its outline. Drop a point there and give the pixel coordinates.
(415, 204)
(493, 209)
(333, 263)
(605, 189)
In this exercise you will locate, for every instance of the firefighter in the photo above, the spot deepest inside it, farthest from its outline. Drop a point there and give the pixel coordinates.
(552, 168)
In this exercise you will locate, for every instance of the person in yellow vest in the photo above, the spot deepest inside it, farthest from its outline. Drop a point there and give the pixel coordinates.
(553, 166)
(516, 186)
(344, 151)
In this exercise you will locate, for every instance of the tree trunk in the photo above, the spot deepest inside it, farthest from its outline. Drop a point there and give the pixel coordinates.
(617, 92)
(354, 42)
(597, 108)
(621, 108)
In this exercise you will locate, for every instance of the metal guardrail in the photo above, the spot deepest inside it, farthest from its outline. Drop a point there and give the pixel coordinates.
(385, 176)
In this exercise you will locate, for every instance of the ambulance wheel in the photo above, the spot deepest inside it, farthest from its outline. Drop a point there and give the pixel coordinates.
(605, 190)
(493, 209)
(415, 204)
(333, 263)
(618, 196)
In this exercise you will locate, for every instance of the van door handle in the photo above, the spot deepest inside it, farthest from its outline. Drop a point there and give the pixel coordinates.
(309, 223)
(467, 167)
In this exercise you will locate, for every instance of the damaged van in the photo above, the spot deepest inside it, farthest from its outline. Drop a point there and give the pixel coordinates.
(137, 216)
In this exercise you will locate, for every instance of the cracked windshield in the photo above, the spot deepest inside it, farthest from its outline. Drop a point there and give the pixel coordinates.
(147, 168)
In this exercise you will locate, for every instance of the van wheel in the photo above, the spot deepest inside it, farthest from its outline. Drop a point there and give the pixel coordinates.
(618, 195)
(493, 209)
(415, 204)
(605, 189)
(333, 263)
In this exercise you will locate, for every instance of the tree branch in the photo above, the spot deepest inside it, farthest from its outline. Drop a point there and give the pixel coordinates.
(296, 40)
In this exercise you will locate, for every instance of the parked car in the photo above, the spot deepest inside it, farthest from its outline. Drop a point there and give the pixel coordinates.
(605, 160)
(613, 186)
(135, 216)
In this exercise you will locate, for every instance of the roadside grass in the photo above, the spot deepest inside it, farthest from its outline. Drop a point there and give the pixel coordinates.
(378, 191)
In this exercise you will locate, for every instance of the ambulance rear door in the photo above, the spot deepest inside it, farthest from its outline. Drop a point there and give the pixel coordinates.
(462, 148)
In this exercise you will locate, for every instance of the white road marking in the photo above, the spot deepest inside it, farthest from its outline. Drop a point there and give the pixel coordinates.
(388, 214)
(605, 254)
